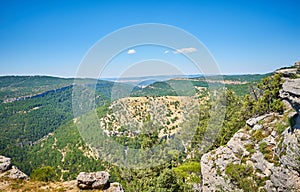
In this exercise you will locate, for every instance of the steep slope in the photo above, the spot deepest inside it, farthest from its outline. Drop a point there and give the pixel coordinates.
(63, 150)
(13, 87)
(38, 105)
(256, 158)
(60, 146)
(262, 156)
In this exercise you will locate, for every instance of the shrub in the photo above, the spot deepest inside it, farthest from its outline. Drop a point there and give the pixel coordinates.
(189, 171)
(45, 174)
(269, 101)
(277, 106)
(241, 175)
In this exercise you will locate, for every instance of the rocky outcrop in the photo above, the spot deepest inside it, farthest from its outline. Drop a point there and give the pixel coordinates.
(97, 180)
(213, 164)
(213, 169)
(5, 164)
(255, 120)
(291, 89)
(273, 156)
(7, 170)
(94, 180)
(115, 187)
(291, 92)
(265, 154)
(15, 173)
(289, 72)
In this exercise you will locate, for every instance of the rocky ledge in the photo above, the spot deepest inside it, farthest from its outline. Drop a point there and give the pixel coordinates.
(10, 171)
(291, 92)
(271, 158)
(98, 180)
(290, 72)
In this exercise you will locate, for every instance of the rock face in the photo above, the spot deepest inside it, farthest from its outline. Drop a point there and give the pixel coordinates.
(290, 72)
(297, 64)
(291, 92)
(253, 121)
(7, 170)
(15, 173)
(274, 159)
(94, 180)
(5, 164)
(268, 146)
(97, 180)
(287, 72)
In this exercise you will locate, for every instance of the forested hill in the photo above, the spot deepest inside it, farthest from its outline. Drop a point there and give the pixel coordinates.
(38, 105)
(39, 132)
(240, 84)
(21, 86)
(34, 106)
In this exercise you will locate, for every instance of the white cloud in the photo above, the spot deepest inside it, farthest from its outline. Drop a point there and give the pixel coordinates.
(131, 51)
(166, 52)
(185, 50)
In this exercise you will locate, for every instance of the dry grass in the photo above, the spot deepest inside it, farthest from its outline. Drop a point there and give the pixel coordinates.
(10, 185)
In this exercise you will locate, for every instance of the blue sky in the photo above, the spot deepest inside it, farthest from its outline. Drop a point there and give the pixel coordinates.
(52, 37)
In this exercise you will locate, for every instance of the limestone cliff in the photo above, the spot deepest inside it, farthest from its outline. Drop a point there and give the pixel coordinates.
(264, 155)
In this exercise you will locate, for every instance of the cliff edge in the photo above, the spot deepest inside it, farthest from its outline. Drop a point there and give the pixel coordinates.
(265, 154)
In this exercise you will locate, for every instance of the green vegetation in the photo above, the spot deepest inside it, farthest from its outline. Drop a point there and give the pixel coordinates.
(234, 119)
(40, 135)
(18, 86)
(189, 172)
(258, 135)
(64, 150)
(241, 175)
(263, 147)
(160, 178)
(43, 174)
(268, 153)
(240, 84)
(167, 88)
(269, 101)
(250, 148)
(280, 127)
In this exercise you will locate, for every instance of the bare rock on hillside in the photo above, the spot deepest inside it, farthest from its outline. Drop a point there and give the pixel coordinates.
(273, 156)
(114, 187)
(98, 180)
(287, 72)
(7, 170)
(93, 180)
(5, 164)
(15, 173)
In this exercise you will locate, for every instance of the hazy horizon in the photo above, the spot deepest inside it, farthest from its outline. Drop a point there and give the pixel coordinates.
(130, 77)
